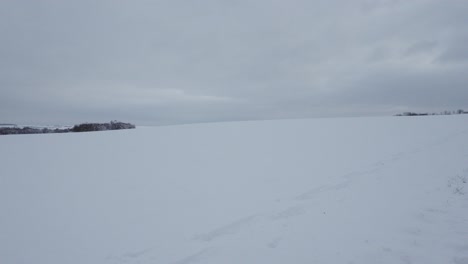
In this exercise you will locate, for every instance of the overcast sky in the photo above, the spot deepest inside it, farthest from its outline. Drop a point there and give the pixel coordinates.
(180, 61)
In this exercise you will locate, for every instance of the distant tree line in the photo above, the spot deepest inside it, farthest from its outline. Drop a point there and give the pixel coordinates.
(85, 127)
(457, 112)
(113, 125)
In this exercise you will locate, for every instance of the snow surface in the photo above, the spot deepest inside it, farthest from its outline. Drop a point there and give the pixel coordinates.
(353, 190)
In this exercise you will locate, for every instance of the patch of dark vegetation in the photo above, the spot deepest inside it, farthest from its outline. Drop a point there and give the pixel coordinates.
(457, 112)
(114, 125)
(86, 127)
(412, 114)
(28, 130)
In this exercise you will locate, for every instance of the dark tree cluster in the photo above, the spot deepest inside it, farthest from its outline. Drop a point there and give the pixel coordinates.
(113, 125)
(29, 130)
(412, 114)
(457, 112)
(86, 127)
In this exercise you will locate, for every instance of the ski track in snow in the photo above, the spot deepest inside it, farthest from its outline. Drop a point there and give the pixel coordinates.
(295, 210)
(194, 258)
(130, 257)
(325, 188)
(230, 228)
(289, 212)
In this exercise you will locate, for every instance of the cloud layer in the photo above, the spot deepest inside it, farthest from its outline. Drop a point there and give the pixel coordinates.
(178, 61)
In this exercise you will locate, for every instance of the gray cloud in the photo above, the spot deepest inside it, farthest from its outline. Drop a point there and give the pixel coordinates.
(162, 62)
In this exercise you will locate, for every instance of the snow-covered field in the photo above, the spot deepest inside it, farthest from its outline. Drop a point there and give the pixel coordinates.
(353, 190)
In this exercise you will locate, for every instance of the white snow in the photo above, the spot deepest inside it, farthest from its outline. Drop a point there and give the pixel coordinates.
(352, 190)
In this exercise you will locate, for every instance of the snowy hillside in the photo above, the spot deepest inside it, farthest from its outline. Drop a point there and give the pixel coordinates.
(354, 190)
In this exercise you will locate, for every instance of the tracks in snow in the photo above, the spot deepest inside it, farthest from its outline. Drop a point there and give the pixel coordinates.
(296, 206)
